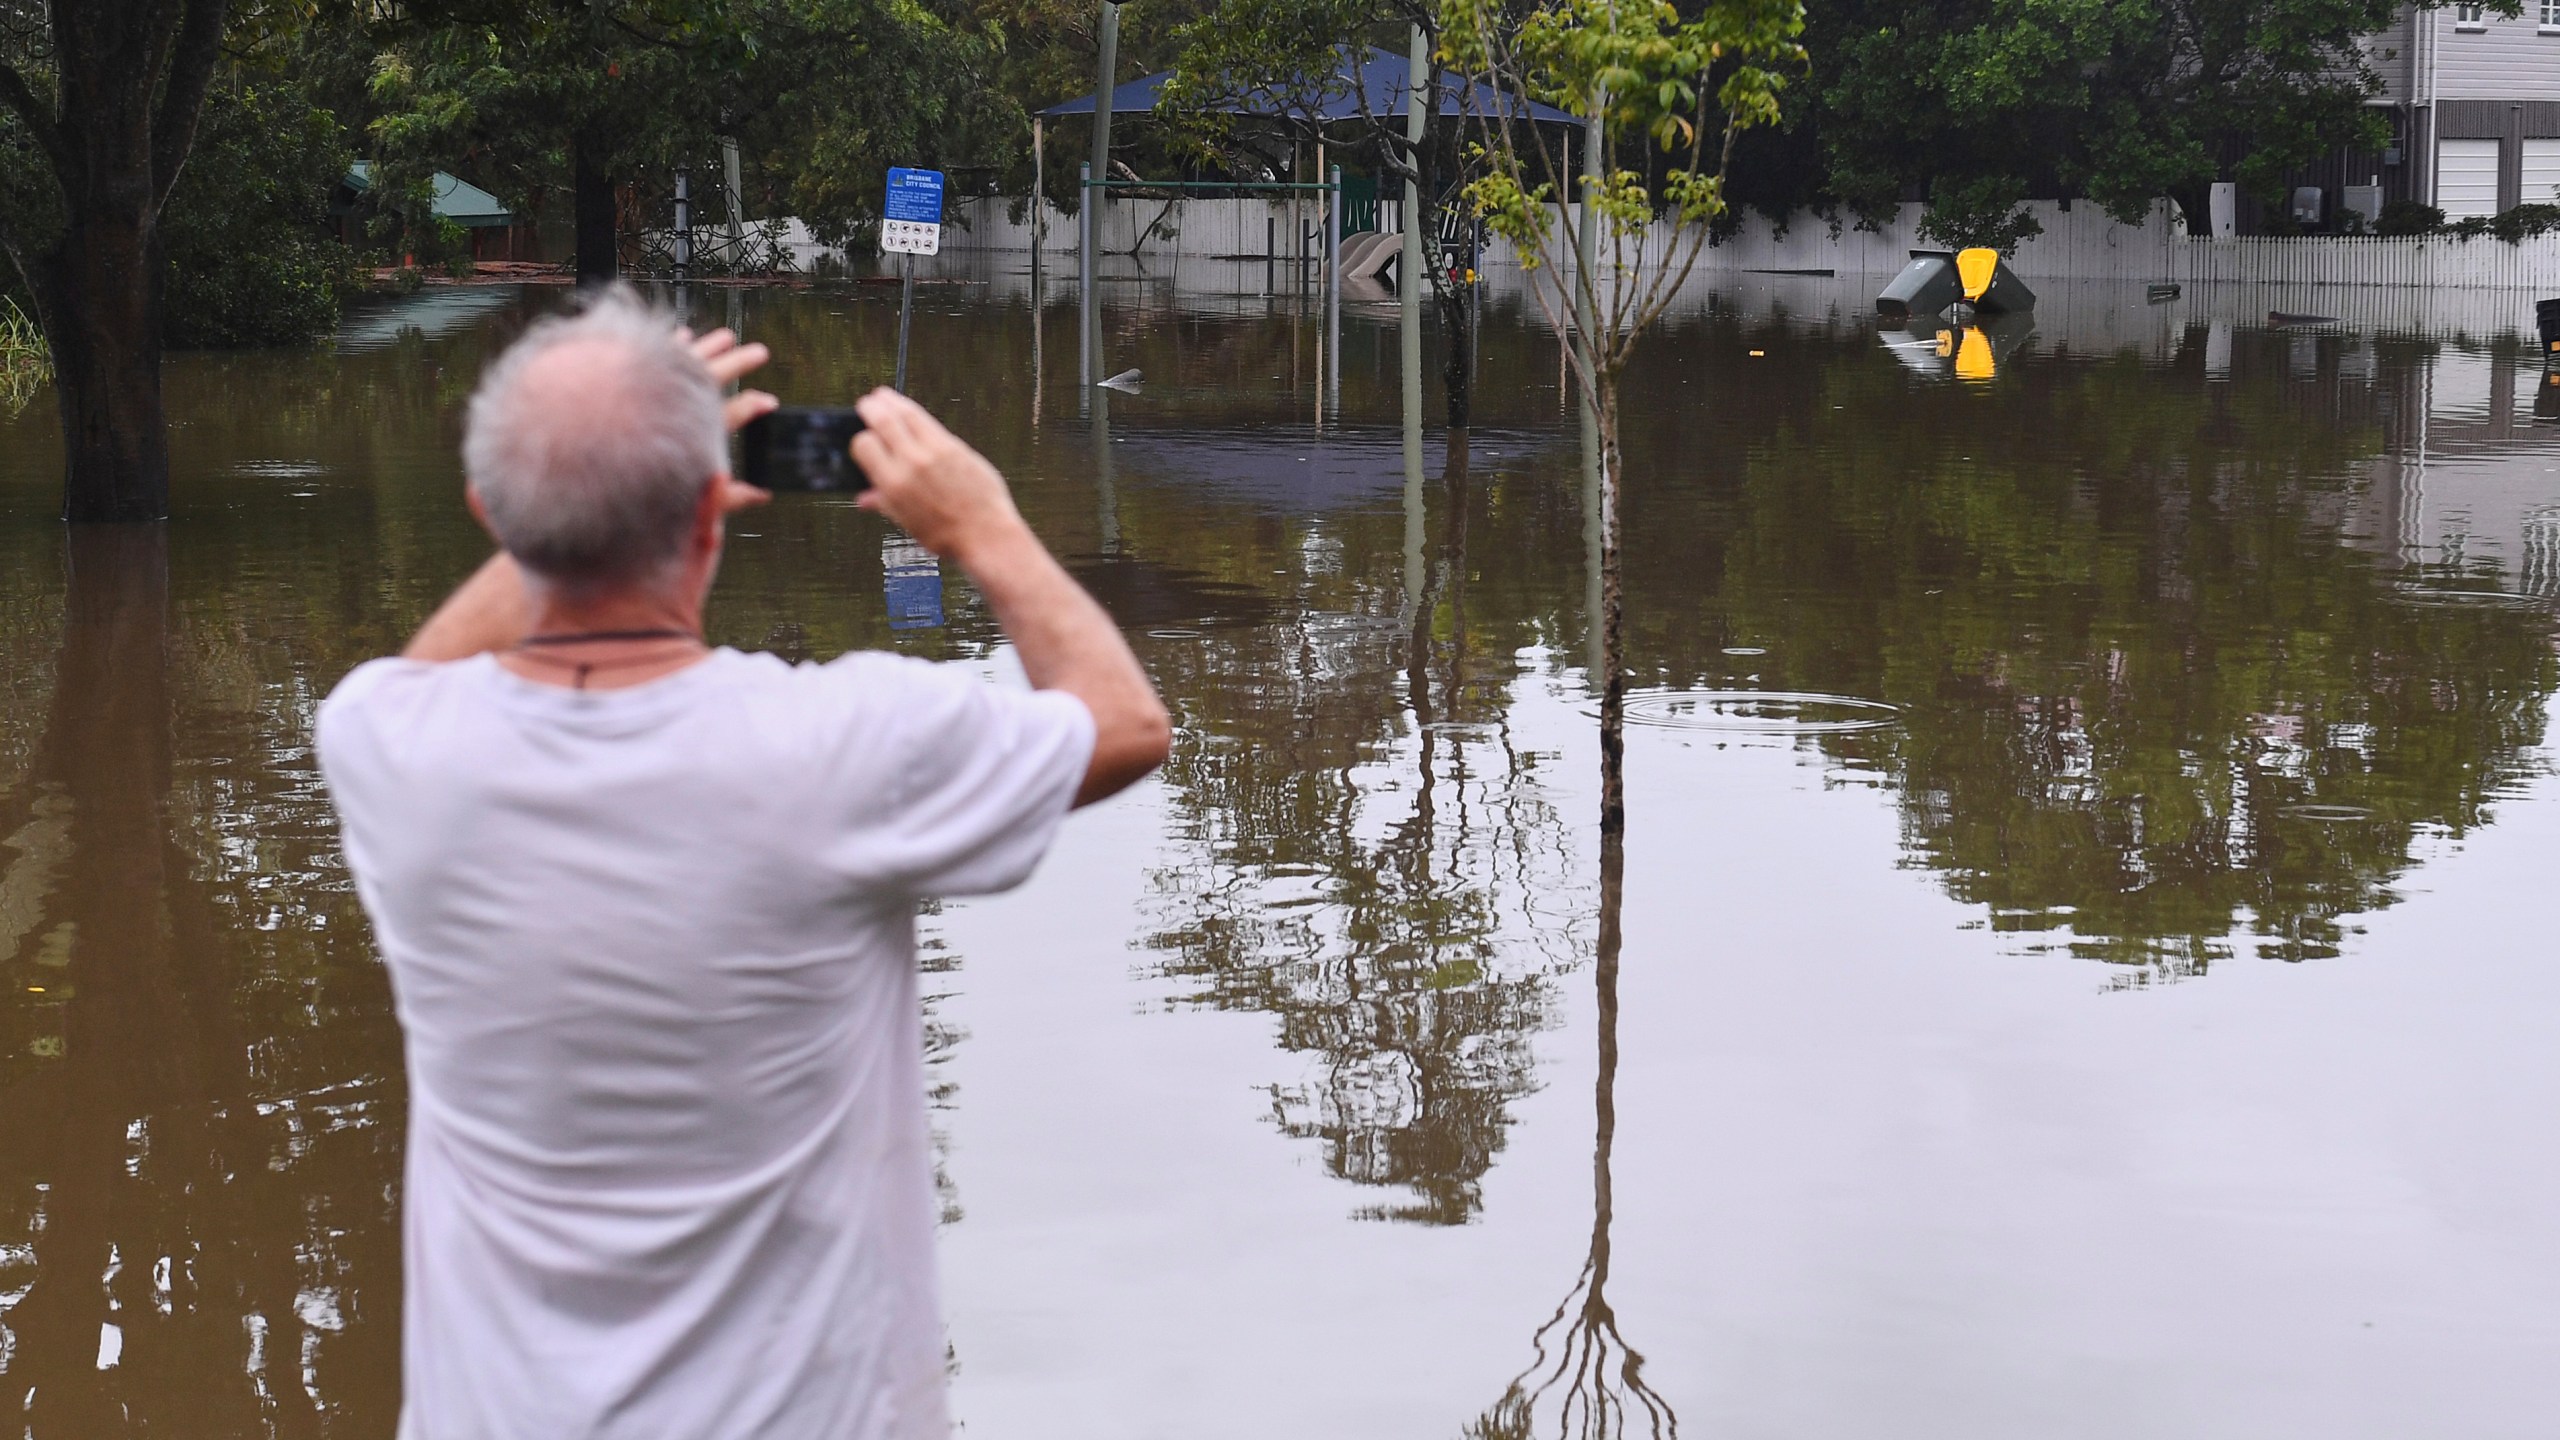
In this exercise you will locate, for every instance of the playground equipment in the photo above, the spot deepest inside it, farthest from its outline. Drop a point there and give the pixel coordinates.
(1365, 82)
(1367, 256)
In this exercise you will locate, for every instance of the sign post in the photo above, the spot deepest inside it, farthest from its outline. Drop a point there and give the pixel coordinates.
(910, 225)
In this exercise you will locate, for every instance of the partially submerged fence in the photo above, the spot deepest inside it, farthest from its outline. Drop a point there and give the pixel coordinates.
(1154, 225)
(2078, 243)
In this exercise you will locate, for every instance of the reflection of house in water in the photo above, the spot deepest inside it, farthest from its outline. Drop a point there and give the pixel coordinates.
(2468, 484)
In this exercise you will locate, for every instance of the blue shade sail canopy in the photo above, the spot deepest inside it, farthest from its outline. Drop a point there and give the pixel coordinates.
(1379, 80)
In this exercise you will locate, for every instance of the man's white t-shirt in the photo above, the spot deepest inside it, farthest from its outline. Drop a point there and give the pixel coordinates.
(669, 1176)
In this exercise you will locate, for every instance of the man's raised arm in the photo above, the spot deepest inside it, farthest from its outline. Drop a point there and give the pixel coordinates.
(953, 502)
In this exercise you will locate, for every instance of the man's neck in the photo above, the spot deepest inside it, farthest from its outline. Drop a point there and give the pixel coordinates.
(608, 642)
(619, 613)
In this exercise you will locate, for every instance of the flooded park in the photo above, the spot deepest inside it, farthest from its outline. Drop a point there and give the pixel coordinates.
(2070, 969)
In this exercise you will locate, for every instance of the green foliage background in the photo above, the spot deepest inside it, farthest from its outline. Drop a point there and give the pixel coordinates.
(252, 257)
(1975, 105)
(252, 260)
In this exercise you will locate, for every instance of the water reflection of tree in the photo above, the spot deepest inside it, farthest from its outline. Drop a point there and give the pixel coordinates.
(1585, 1374)
(2150, 698)
(196, 1220)
(1405, 954)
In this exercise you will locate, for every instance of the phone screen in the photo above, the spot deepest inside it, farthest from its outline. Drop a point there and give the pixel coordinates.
(803, 448)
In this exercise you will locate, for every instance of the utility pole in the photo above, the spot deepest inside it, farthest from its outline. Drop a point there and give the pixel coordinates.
(1409, 263)
(1097, 178)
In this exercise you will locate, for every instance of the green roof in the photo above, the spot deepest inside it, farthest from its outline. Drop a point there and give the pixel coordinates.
(457, 200)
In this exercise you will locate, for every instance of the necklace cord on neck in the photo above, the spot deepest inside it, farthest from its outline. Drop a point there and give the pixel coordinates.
(585, 668)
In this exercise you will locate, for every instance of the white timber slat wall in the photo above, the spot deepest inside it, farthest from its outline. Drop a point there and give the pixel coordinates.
(2081, 243)
(2494, 57)
(2541, 169)
(2467, 178)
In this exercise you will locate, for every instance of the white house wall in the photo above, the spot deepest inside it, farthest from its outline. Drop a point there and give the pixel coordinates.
(2501, 60)
(2392, 52)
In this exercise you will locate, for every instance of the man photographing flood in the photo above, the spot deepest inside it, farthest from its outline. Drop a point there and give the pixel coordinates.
(648, 908)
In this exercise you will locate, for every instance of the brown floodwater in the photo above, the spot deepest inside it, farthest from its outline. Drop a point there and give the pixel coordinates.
(2076, 965)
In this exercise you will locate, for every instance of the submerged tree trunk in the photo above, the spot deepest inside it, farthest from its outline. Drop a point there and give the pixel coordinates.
(1457, 372)
(599, 248)
(1613, 624)
(100, 300)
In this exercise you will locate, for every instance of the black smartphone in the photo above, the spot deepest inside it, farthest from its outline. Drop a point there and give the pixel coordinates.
(803, 448)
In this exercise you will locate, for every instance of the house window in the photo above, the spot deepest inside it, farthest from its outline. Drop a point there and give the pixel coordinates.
(2474, 17)
(2551, 16)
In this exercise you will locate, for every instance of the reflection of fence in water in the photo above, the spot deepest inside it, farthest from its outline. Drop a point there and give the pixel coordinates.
(2539, 573)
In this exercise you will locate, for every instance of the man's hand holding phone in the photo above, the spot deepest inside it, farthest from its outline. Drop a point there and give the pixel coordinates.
(729, 362)
(890, 451)
(930, 482)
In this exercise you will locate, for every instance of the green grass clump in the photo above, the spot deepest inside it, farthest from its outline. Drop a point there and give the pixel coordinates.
(26, 363)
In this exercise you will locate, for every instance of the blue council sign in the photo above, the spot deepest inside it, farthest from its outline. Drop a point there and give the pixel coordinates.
(911, 218)
(914, 196)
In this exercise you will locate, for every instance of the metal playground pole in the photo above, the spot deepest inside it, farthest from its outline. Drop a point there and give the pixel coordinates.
(1086, 198)
(1333, 288)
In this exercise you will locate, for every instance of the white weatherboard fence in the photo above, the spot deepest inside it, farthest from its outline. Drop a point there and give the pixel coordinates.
(1209, 229)
(2431, 263)
(2081, 243)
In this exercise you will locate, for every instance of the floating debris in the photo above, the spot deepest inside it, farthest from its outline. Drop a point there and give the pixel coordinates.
(1127, 382)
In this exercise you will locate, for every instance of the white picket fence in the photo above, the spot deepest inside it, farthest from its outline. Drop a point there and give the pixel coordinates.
(2081, 243)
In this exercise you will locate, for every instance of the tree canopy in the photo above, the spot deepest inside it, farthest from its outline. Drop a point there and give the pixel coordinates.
(1978, 105)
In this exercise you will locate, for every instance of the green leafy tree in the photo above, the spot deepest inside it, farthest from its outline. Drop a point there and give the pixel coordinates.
(252, 260)
(1980, 103)
(1639, 71)
(540, 94)
(588, 97)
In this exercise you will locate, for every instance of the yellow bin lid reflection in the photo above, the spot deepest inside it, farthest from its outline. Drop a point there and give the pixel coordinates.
(1973, 357)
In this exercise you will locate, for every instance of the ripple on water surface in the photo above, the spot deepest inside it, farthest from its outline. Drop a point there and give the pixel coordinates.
(2330, 814)
(1759, 712)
